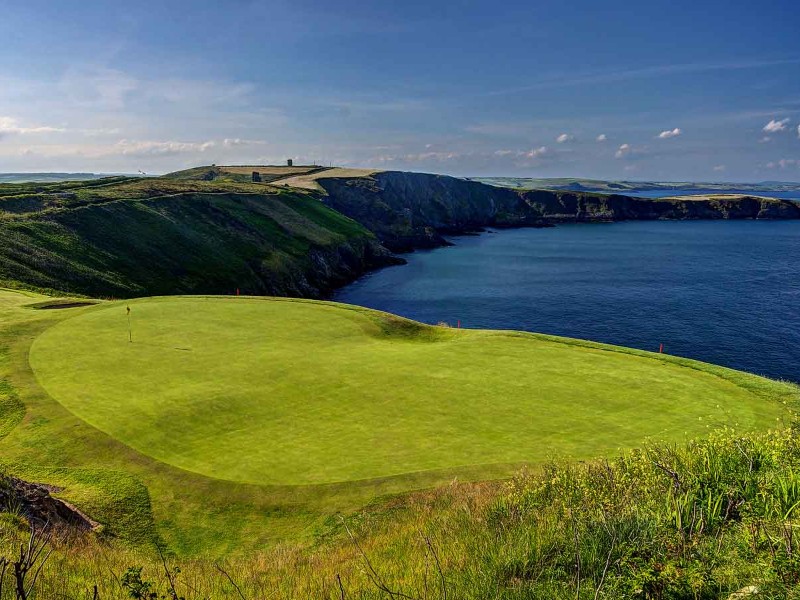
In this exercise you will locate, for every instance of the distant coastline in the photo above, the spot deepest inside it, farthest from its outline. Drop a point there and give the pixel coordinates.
(46, 177)
(634, 187)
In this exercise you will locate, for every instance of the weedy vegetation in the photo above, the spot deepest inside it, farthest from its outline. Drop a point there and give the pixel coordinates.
(704, 520)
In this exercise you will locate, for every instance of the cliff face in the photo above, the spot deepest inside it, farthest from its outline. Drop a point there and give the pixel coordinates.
(557, 206)
(414, 210)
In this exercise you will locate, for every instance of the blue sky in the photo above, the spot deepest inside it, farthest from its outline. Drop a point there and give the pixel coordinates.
(701, 90)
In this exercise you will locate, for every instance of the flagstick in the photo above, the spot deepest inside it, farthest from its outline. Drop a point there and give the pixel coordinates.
(130, 331)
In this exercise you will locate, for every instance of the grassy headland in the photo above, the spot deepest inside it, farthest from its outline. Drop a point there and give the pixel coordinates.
(244, 437)
(299, 231)
(126, 237)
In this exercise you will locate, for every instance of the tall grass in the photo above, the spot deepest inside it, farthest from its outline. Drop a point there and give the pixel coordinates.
(699, 521)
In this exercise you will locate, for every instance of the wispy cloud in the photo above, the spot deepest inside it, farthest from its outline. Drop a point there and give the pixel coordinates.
(167, 148)
(610, 76)
(602, 137)
(10, 126)
(417, 157)
(564, 138)
(775, 126)
(720, 168)
(784, 163)
(669, 133)
(233, 142)
(536, 152)
(97, 88)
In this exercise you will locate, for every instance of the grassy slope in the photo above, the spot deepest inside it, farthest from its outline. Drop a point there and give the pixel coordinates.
(297, 177)
(326, 393)
(602, 530)
(240, 173)
(194, 513)
(127, 237)
(311, 181)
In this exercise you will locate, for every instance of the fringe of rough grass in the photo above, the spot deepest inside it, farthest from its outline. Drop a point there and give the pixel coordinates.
(702, 521)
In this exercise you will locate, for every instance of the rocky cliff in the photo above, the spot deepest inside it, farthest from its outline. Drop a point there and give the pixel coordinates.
(414, 210)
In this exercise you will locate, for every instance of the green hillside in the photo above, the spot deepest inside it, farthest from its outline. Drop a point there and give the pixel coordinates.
(131, 236)
(249, 421)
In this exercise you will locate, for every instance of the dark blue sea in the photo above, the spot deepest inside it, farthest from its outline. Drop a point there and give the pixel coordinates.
(726, 292)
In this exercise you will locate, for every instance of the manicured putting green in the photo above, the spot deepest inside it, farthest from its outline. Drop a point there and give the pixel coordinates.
(275, 391)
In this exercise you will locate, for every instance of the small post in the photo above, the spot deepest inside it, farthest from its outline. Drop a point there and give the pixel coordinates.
(130, 331)
(459, 323)
(237, 291)
(661, 348)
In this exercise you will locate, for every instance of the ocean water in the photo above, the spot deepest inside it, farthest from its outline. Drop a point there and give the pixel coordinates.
(726, 292)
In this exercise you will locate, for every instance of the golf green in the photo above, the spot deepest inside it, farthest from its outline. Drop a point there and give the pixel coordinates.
(285, 392)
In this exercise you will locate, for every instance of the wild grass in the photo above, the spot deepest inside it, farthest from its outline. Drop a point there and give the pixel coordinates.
(695, 521)
(310, 181)
(163, 236)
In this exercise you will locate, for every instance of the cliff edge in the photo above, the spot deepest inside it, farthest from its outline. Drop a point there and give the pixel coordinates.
(414, 210)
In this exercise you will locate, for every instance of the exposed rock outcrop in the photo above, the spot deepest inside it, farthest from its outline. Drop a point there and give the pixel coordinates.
(35, 503)
(414, 210)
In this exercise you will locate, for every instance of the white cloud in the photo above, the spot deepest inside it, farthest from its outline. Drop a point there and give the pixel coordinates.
(602, 137)
(536, 152)
(564, 137)
(9, 126)
(784, 163)
(775, 126)
(532, 153)
(233, 142)
(720, 168)
(623, 151)
(170, 148)
(765, 139)
(670, 133)
(417, 157)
